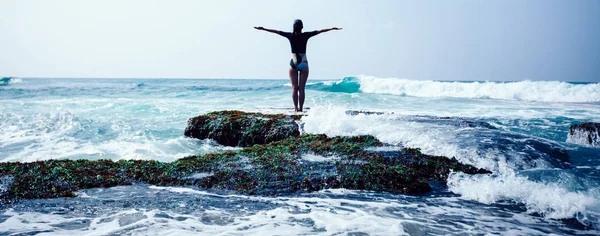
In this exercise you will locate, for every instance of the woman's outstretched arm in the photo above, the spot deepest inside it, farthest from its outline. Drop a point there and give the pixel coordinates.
(329, 29)
(269, 30)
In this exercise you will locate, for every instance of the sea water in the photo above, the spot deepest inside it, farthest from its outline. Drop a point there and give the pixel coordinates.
(519, 131)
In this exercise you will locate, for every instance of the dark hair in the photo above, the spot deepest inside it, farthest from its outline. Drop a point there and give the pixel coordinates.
(298, 26)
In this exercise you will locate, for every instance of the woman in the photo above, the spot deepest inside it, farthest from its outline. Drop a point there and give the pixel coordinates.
(298, 63)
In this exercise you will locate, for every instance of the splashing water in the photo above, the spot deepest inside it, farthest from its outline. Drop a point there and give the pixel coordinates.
(541, 184)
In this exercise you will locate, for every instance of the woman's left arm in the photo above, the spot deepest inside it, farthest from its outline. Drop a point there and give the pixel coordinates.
(329, 29)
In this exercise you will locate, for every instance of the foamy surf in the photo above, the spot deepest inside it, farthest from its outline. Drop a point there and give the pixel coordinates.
(477, 146)
(550, 200)
(153, 210)
(541, 184)
(62, 134)
(534, 91)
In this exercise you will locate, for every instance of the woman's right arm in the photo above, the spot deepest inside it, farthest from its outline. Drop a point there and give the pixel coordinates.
(270, 30)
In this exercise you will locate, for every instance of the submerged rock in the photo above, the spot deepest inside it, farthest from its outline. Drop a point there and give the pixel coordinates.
(355, 113)
(237, 128)
(274, 168)
(585, 134)
(455, 121)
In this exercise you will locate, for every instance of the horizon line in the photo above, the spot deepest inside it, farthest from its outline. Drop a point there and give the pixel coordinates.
(226, 78)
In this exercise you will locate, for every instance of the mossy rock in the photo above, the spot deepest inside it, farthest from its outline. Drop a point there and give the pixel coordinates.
(237, 128)
(279, 167)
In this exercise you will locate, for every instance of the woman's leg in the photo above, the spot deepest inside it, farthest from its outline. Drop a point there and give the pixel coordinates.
(294, 80)
(301, 85)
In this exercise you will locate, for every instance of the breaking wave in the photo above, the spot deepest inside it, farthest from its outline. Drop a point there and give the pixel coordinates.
(10, 80)
(514, 159)
(535, 91)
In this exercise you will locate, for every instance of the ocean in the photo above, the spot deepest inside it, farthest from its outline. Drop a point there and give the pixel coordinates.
(534, 190)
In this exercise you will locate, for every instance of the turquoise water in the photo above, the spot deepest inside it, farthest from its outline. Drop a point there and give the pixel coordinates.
(541, 183)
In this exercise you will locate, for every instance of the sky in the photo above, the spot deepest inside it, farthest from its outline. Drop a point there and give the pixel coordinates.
(551, 40)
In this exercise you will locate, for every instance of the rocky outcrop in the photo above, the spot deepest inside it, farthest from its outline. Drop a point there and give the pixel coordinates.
(276, 160)
(585, 134)
(236, 128)
(279, 167)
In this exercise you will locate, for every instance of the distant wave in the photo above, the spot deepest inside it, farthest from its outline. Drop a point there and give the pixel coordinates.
(542, 91)
(346, 85)
(232, 89)
(10, 80)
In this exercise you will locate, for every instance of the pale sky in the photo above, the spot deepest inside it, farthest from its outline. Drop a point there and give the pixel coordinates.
(420, 40)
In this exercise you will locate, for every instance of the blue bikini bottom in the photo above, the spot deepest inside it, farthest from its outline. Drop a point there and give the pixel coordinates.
(299, 61)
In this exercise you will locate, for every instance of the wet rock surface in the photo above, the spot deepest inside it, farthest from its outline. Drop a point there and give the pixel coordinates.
(296, 163)
(236, 128)
(586, 134)
(455, 121)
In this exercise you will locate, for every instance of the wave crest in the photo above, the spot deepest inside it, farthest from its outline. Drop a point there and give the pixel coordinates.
(535, 91)
(10, 80)
(514, 159)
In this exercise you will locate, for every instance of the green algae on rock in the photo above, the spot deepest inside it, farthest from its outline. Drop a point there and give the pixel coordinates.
(269, 169)
(237, 128)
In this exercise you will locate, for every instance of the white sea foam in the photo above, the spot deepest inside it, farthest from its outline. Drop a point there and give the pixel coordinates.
(149, 126)
(543, 91)
(200, 175)
(317, 158)
(62, 134)
(338, 212)
(550, 200)
(431, 138)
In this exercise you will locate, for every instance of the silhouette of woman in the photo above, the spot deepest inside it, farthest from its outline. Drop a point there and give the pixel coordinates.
(298, 63)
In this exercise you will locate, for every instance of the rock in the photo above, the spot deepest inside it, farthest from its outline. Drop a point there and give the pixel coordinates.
(355, 113)
(455, 121)
(461, 122)
(585, 134)
(268, 169)
(276, 160)
(236, 128)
